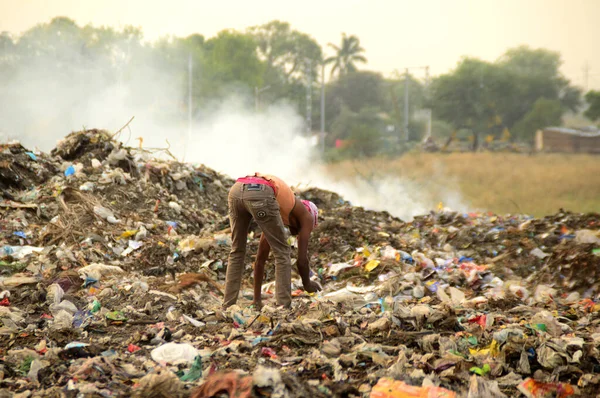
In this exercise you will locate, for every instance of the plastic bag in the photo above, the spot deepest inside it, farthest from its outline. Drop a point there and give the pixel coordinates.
(97, 270)
(586, 236)
(551, 325)
(174, 353)
(536, 389)
(480, 388)
(195, 371)
(544, 294)
(537, 252)
(62, 321)
(390, 388)
(192, 243)
(106, 214)
(19, 252)
(335, 269)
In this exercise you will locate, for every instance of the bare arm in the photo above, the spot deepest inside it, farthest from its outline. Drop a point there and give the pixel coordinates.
(303, 268)
(259, 267)
(305, 224)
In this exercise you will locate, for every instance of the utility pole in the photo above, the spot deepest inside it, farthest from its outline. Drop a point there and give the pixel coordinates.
(189, 132)
(308, 97)
(427, 96)
(406, 115)
(256, 99)
(406, 104)
(190, 68)
(257, 92)
(323, 107)
(586, 75)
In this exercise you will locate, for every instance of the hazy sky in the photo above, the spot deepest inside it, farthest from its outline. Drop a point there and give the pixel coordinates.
(395, 33)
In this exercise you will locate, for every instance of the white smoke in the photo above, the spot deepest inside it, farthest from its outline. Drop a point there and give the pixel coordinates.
(40, 105)
(237, 141)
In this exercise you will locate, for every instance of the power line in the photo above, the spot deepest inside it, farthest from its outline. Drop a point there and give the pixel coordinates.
(323, 107)
(586, 73)
(308, 97)
(406, 97)
(190, 89)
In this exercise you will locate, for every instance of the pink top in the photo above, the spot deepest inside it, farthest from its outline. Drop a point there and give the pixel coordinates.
(283, 193)
(257, 180)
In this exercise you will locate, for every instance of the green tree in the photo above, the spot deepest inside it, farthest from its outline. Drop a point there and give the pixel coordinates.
(534, 62)
(394, 101)
(172, 55)
(544, 113)
(347, 55)
(357, 90)
(231, 59)
(593, 100)
(488, 97)
(7, 49)
(284, 50)
(6, 44)
(475, 95)
(353, 91)
(363, 131)
(537, 72)
(571, 98)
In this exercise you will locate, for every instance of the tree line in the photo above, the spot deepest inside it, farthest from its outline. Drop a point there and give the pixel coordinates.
(364, 111)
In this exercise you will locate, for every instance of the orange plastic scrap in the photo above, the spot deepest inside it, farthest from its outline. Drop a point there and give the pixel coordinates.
(390, 388)
(232, 383)
(536, 389)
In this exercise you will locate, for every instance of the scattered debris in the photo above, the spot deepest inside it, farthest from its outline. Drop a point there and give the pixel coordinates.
(112, 263)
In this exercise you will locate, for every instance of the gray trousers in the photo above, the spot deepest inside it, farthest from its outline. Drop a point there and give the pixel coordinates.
(253, 201)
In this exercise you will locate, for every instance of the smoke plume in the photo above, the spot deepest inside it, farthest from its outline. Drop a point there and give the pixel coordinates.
(46, 98)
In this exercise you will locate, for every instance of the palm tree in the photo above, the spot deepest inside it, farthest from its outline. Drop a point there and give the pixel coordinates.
(347, 55)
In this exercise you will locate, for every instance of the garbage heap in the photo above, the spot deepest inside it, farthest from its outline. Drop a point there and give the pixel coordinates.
(113, 262)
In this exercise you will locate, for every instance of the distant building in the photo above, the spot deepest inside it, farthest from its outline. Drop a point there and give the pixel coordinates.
(561, 139)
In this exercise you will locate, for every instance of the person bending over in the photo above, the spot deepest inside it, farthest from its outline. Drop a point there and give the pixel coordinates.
(272, 204)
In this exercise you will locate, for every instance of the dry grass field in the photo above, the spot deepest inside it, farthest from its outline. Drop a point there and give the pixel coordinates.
(504, 183)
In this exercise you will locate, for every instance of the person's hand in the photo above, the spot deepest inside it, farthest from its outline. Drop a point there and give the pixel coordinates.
(312, 287)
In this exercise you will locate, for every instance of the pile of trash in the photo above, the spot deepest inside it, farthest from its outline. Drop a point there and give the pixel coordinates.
(113, 261)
